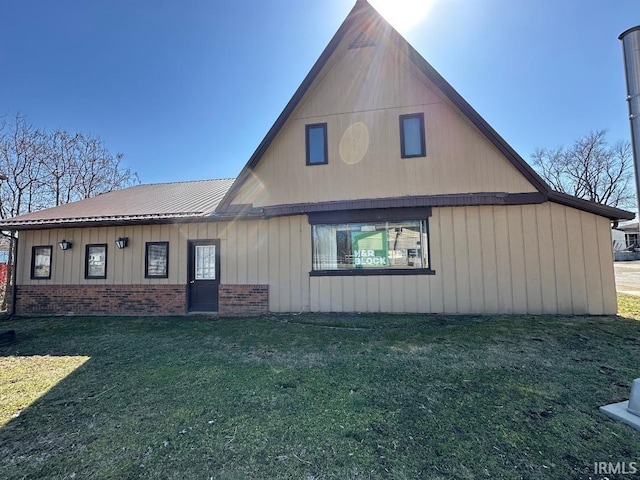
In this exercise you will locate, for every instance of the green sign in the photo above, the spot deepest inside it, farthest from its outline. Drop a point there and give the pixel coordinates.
(370, 249)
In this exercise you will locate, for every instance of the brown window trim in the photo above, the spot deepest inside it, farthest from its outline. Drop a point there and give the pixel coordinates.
(33, 261)
(423, 148)
(146, 260)
(373, 215)
(86, 261)
(307, 144)
(365, 272)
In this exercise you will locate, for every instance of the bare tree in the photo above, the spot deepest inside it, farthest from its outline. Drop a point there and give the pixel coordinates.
(59, 180)
(591, 169)
(21, 156)
(45, 169)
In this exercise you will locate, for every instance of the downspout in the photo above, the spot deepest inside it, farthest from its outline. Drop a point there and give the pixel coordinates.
(14, 268)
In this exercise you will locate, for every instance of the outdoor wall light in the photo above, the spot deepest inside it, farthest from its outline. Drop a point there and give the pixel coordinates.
(64, 245)
(122, 242)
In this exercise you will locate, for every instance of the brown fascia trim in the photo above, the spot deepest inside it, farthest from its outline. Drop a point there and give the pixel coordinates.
(611, 213)
(48, 225)
(369, 215)
(453, 200)
(412, 205)
(293, 103)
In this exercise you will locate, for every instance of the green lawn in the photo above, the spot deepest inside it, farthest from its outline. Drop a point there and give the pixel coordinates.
(317, 396)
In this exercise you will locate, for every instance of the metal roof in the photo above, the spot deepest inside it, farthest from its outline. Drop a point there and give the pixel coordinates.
(148, 203)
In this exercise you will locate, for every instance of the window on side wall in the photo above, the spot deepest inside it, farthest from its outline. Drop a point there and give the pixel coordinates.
(156, 264)
(412, 142)
(316, 144)
(41, 262)
(378, 247)
(95, 262)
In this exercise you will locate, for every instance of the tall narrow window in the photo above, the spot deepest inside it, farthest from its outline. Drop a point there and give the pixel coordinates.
(412, 142)
(156, 264)
(316, 139)
(41, 262)
(95, 262)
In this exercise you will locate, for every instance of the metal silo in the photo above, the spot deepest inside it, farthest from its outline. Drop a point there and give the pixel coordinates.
(631, 52)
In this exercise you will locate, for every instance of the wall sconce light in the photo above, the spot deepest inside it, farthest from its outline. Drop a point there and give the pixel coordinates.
(122, 242)
(64, 245)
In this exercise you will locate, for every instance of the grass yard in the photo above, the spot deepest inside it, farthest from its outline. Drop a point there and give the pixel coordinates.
(317, 396)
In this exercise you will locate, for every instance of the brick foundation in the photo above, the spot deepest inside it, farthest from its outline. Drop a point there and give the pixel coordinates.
(101, 299)
(243, 299)
(133, 299)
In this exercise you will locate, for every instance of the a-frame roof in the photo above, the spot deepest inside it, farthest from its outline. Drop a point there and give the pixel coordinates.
(212, 200)
(363, 12)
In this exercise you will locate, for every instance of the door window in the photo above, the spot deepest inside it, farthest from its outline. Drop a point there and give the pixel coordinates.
(205, 262)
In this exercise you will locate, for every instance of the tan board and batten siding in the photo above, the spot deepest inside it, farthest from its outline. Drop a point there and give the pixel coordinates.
(532, 259)
(361, 107)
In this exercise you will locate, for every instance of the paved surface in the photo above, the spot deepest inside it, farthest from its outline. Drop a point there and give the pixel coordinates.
(628, 277)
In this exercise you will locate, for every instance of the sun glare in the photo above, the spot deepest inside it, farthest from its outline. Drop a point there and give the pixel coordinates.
(404, 15)
(23, 380)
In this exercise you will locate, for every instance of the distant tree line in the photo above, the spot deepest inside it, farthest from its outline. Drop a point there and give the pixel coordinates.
(591, 168)
(41, 169)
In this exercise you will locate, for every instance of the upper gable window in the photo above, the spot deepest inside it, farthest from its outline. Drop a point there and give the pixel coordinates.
(316, 138)
(412, 142)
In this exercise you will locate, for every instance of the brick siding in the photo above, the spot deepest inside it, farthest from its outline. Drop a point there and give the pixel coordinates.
(243, 299)
(133, 299)
(101, 299)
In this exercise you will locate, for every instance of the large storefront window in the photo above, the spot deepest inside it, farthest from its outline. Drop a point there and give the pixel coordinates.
(371, 247)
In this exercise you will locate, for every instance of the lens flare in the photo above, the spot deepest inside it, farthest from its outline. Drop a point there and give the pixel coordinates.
(404, 15)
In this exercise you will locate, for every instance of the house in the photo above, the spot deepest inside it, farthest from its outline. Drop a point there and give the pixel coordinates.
(630, 234)
(378, 189)
(626, 243)
(619, 239)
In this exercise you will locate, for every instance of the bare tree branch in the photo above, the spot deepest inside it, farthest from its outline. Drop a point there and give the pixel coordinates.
(46, 169)
(591, 169)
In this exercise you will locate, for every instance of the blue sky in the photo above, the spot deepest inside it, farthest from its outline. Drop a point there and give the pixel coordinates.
(187, 89)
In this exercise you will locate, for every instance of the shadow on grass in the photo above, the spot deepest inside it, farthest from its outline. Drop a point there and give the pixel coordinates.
(321, 396)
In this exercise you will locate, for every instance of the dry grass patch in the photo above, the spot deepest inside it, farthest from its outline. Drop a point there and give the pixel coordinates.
(25, 379)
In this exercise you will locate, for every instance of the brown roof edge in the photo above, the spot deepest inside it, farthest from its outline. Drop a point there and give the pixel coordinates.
(453, 200)
(448, 200)
(123, 221)
(611, 213)
(293, 103)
